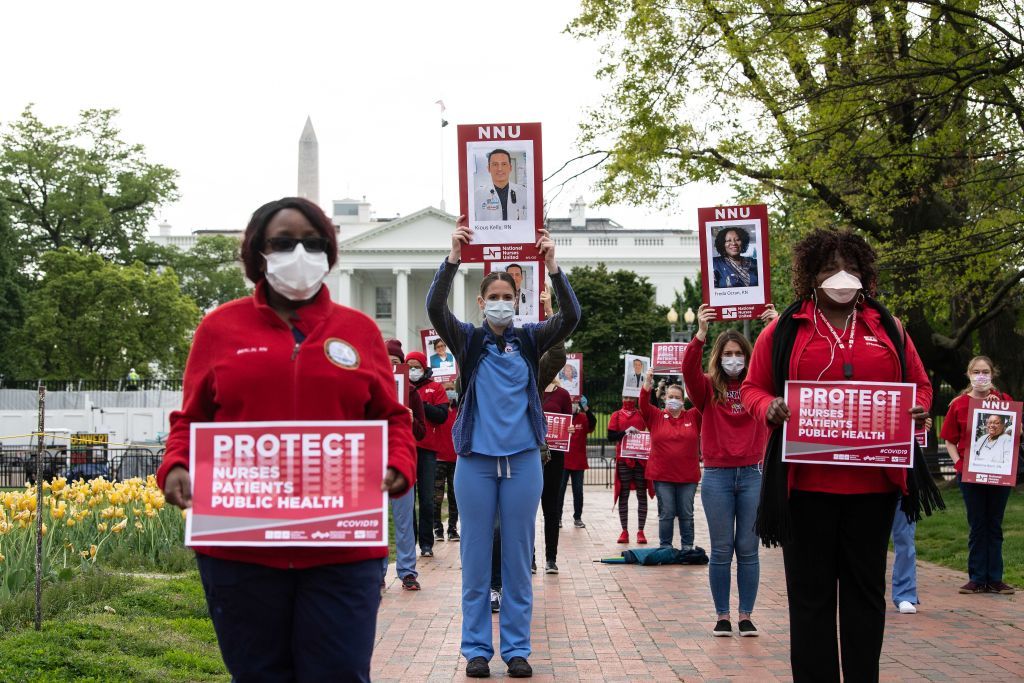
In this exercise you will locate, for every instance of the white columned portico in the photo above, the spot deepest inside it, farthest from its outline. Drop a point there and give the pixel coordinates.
(402, 305)
(459, 301)
(345, 286)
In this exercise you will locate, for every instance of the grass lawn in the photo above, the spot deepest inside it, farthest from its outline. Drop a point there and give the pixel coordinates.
(942, 538)
(109, 627)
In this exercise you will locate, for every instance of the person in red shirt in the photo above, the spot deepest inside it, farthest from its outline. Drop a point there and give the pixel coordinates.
(833, 521)
(435, 408)
(289, 353)
(445, 475)
(732, 446)
(583, 423)
(674, 465)
(555, 400)
(985, 503)
(629, 472)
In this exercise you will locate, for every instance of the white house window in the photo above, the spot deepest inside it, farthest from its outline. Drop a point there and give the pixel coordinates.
(346, 209)
(384, 303)
(604, 241)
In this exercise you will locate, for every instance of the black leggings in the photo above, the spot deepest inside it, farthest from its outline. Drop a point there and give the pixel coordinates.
(576, 476)
(551, 503)
(632, 475)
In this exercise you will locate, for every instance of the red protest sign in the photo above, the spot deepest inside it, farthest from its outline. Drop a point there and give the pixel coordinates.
(571, 376)
(636, 445)
(288, 483)
(992, 457)
(922, 437)
(849, 423)
(501, 190)
(667, 358)
(558, 435)
(529, 279)
(734, 260)
(439, 357)
(402, 383)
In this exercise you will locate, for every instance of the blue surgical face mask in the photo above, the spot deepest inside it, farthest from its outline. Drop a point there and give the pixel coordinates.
(499, 313)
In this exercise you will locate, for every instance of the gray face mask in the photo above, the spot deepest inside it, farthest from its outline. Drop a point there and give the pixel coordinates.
(673, 404)
(499, 313)
(733, 365)
(415, 374)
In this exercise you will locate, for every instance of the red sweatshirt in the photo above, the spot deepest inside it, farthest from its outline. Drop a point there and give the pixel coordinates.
(244, 365)
(432, 393)
(576, 458)
(954, 427)
(620, 421)
(445, 446)
(874, 360)
(729, 436)
(674, 456)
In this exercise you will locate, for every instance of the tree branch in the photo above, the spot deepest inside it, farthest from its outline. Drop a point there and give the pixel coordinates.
(995, 305)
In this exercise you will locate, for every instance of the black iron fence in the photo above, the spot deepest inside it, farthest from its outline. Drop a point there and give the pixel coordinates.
(18, 463)
(94, 384)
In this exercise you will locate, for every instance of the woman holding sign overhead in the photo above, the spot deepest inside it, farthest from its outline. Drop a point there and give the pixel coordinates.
(288, 353)
(832, 521)
(985, 503)
(497, 436)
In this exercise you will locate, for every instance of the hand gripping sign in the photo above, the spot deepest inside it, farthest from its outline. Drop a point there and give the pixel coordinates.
(558, 435)
(500, 190)
(734, 260)
(850, 423)
(995, 429)
(636, 445)
(288, 483)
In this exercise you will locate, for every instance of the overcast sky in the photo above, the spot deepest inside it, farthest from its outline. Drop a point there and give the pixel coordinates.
(220, 91)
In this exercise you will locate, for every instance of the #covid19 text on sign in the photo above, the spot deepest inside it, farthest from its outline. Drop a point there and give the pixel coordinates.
(288, 483)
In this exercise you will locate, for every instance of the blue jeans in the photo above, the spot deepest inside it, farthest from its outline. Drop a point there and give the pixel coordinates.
(985, 505)
(506, 488)
(405, 538)
(730, 496)
(314, 624)
(675, 501)
(904, 563)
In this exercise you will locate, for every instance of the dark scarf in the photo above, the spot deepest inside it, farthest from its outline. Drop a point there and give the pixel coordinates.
(774, 524)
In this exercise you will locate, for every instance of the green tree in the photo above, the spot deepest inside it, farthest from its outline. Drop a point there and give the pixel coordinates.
(79, 186)
(13, 286)
(902, 119)
(620, 316)
(92, 319)
(210, 272)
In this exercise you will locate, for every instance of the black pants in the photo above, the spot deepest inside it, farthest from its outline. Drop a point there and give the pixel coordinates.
(444, 477)
(423, 521)
(576, 476)
(551, 503)
(837, 540)
(985, 506)
(313, 624)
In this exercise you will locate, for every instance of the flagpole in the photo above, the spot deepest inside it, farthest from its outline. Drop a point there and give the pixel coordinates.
(444, 123)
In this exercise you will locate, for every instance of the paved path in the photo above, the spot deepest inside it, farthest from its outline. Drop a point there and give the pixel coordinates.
(597, 622)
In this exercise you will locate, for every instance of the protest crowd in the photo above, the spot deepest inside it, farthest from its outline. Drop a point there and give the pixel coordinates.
(488, 424)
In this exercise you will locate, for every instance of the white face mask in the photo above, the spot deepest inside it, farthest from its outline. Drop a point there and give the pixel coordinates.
(499, 313)
(452, 395)
(673, 404)
(296, 274)
(733, 365)
(415, 374)
(842, 287)
(981, 381)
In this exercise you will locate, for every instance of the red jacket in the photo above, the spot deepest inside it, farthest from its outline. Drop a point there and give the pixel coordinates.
(729, 436)
(445, 446)
(620, 421)
(244, 365)
(674, 443)
(954, 427)
(432, 393)
(874, 360)
(576, 458)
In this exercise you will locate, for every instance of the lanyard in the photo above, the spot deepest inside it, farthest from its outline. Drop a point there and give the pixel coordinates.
(847, 353)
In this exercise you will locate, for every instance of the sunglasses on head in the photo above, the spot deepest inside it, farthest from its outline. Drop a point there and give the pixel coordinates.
(311, 244)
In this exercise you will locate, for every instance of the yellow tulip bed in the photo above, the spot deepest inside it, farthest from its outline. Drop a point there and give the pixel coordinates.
(84, 523)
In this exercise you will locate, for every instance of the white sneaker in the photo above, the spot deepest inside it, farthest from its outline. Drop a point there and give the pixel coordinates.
(907, 607)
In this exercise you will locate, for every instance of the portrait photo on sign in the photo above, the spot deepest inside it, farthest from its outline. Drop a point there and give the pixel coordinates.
(992, 450)
(734, 260)
(440, 358)
(527, 277)
(501, 196)
(634, 374)
(569, 376)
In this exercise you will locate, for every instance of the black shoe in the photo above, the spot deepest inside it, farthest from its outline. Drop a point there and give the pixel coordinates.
(722, 628)
(518, 667)
(426, 552)
(747, 628)
(533, 567)
(478, 668)
(551, 568)
(438, 535)
(454, 536)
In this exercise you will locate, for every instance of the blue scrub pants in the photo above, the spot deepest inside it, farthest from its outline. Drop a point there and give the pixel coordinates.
(405, 537)
(904, 563)
(507, 488)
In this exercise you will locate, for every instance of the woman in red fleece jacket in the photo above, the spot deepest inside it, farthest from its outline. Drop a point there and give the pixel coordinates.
(732, 445)
(839, 516)
(674, 465)
(289, 353)
(630, 473)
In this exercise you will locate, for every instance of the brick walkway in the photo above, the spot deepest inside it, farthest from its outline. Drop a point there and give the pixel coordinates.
(599, 622)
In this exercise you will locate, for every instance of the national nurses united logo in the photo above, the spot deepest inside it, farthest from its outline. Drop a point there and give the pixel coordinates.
(341, 353)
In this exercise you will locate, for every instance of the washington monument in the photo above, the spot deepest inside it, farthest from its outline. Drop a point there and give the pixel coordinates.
(309, 164)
